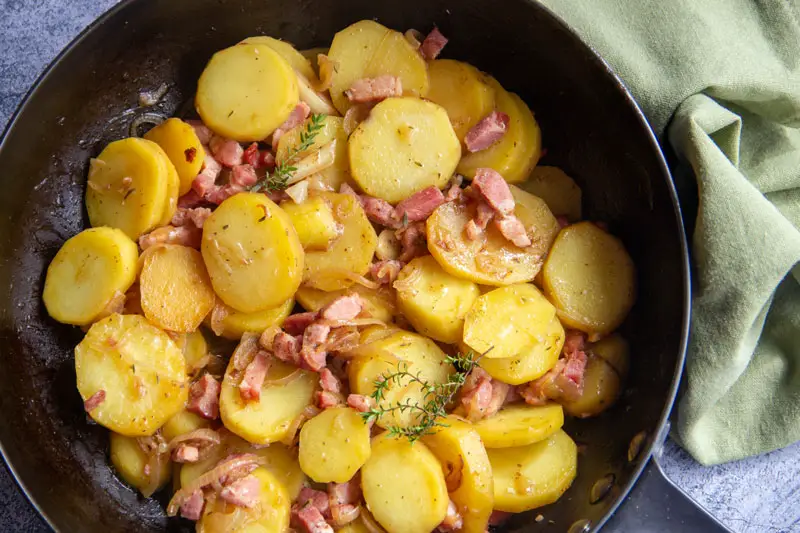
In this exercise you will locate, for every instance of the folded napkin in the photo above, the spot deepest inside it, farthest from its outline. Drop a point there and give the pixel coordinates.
(720, 81)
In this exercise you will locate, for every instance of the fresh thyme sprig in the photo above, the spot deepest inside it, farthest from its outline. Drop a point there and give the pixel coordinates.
(436, 396)
(278, 180)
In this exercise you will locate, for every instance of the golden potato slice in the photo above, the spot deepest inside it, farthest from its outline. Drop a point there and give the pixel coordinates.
(520, 425)
(252, 253)
(590, 278)
(531, 476)
(140, 369)
(601, 389)
(270, 514)
(269, 418)
(615, 350)
(379, 303)
(175, 289)
(491, 259)
(559, 191)
(434, 301)
(184, 149)
(462, 91)
(129, 461)
(351, 253)
(289, 53)
(246, 91)
(392, 350)
(181, 423)
(505, 319)
(404, 146)
(88, 271)
(367, 49)
(404, 486)
(468, 473)
(332, 130)
(173, 191)
(531, 363)
(313, 220)
(334, 445)
(236, 324)
(518, 151)
(194, 348)
(127, 186)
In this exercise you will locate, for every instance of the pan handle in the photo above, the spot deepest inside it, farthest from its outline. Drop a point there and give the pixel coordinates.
(656, 504)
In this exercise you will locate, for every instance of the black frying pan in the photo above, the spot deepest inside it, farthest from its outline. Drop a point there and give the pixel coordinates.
(591, 126)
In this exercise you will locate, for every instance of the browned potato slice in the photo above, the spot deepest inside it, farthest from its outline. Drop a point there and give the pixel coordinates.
(491, 259)
(601, 388)
(404, 146)
(559, 191)
(184, 149)
(590, 278)
(462, 91)
(176, 292)
(532, 362)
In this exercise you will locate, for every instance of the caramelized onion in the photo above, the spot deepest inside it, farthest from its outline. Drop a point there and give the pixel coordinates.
(218, 314)
(208, 438)
(356, 322)
(408, 282)
(342, 274)
(285, 380)
(298, 192)
(150, 119)
(370, 523)
(308, 413)
(414, 37)
(237, 466)
(327, 69)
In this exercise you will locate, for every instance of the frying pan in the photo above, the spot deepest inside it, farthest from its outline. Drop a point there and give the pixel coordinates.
(592, 128)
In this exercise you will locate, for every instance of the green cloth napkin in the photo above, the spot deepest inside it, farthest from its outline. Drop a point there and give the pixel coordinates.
(720, 79)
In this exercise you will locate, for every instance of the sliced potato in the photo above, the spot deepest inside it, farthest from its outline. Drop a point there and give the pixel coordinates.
(531, 363)
(184, 149)
(367, 49)
(252, 253)
(506, 319)
(404, 486)
(601, 389)
(334, 445)
(397, 349)
(270, 514)
(289, 53)
(379, 303)
(313, 220)
(615, 350)
(176, 292)
(491, 259)
(468, 473)
(236, 324)
(590, 278)
(404, 146)
(181, 423)
(194, 348)
(559, 191)
(462, 91)
(246, 91)
(268, 419)
(351, 253)
(332, 130)
(531, 476)
(434, 301)
(130, 461)
(140, 369)
(127, 186)
(519, 425)
(518, 151)
(87, 272)
(173, 191)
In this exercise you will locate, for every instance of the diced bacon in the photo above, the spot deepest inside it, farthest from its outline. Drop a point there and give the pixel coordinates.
(513, 396)
(574, 369)
(487, 131)
(565, 380)
(494, 189)
(243, 492)
(186, 453)
(227, 151)
(184, 235)
(344, 499)
(190, 154)
(498, 517)
(311, 520)
(413, 240)
(380, 211)
(258, 158)
(419, 205)
(361, 403)
(432, 46)
(204, 397)
(374, 89)
(574, 341)
(243, 176)
(454, 191)
(500, 392)
(312, 353)
(477, 226)
(254, 376)
(297, 323)
(453, 521)
(190, 200)
(329, 382)
(220, 194)
(477, 394)
(315, 498)
(207, 178)
(563, 221)
(286, 348)
(94, 401)
(298, 115)
(385, 272)
(192, 507)
(343, 308)
(195, 216)
(514, 230)
(325, 399)
(204, 134)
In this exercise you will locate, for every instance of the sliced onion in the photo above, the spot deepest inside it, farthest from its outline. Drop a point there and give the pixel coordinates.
(317, 183)
(154, 463)
(149, 98)
(354, 116)
(245, 351)
(388, 246)
(209, 438)
(153, 119)
(212, 477)
(314, 162)
(408, 282)
(318, 102)
(266, 339)
(343, 514)
(308, 413)
(116, 305)
(342, 274)
(357, 322)
(285, 380)
(298, 192)
(218, 314)
(370, 523)
(414, 37)
(327, 70)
